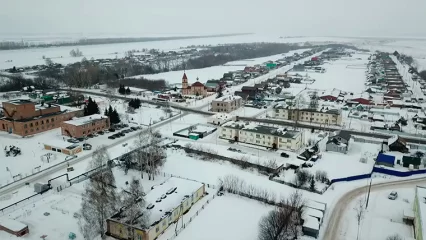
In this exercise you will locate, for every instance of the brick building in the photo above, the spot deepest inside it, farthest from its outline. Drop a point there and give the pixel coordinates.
(84, 126)
(24, 117)
(226, 104)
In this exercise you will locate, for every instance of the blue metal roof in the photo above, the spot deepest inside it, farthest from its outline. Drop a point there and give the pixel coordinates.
(383, 158)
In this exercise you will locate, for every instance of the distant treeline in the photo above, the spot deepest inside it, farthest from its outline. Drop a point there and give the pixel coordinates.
(12, 45)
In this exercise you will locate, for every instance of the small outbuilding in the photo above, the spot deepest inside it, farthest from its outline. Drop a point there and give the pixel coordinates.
(385, 160)
(339, 142)
(13, 227)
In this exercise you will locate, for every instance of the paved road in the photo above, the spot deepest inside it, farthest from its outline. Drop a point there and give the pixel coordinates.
(332, 232)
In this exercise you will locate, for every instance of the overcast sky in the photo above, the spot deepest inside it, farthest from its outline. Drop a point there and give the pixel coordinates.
(191, 17)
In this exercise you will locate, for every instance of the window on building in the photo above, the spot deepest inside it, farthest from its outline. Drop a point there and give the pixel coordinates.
(37, 129)
(164, 223)
(157, 229)
(170, 218)
(84, 132)
(258, 135)
(42, 122)
(257, 141)
(47, 121)
(26, 131)
(31, 124)
(52, 120)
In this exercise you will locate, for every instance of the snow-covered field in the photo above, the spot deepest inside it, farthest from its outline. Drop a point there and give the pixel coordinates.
(227, 217)
(346, 74)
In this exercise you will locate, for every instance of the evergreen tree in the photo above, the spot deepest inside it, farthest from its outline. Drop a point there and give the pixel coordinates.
(128, 90)
(121, 89)
(106, 112)
(86, 111)
(110, 111)
(114, 117)
(312, 185)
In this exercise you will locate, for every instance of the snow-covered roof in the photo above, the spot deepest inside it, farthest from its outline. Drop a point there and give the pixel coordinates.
(183, 187)
(311, 222)
(313, 212)
(56, 143)
(85, 120)
(316, 205)
(226, 99)
(12, 224)
(263, 129)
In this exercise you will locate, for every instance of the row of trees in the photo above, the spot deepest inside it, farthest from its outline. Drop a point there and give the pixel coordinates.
(122, 90)
(113, 115)
(135, 103)
(76, 53)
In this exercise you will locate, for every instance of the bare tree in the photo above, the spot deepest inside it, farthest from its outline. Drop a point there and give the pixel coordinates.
(150, 155)
(99, 200)
(360, 212)
(283, 222)
(135, 204)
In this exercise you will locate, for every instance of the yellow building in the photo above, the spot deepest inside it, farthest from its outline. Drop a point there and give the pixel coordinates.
(167, 202)
(327, 117)
(197, 88)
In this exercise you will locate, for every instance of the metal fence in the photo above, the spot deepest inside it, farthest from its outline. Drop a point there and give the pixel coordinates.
(184, 225)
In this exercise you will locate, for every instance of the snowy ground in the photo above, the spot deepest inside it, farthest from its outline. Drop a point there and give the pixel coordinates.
(236, 217)
(346, 74)
(383, 217)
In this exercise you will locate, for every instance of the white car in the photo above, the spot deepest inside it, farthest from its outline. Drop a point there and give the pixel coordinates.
(393, 195)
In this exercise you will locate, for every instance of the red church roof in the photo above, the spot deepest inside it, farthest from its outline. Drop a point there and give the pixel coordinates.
(184, 76)
(197, 84)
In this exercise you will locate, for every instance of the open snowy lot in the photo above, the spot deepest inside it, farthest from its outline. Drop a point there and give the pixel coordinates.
(227, 217)
(382, 218)
(346, 74)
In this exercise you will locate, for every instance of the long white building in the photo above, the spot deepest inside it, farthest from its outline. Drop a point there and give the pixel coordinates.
(261, 135)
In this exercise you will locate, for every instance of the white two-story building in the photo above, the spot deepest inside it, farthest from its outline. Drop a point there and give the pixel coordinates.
(261, 135)
(323, 116)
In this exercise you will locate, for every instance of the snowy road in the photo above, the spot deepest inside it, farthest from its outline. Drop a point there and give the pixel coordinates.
(33, 178)
(333, 229)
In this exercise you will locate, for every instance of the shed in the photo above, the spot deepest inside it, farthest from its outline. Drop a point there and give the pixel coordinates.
(408, 160)
(13, 227)
(386, 160)
(310, 226)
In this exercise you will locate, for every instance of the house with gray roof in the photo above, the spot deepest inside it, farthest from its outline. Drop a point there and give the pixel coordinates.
(339, 142)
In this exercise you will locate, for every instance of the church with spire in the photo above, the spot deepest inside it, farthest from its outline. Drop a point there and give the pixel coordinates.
(197, 88)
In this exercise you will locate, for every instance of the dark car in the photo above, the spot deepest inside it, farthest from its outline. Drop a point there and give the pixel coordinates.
(283, 154)
(112, 130)
(117, 135)
(90, 135)
(81, 139)
(125, 125)
(101, 132)
(134, 128)
(111, 137)
(121, 134)
(73, 140)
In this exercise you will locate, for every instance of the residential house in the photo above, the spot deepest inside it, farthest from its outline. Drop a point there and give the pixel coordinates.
(332, 95)
(261, 135)
(397, 144)
(339, 142)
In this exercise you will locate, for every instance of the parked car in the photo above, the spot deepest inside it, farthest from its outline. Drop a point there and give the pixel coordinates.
(81, 139)
(111, 137)
(95, 134)
(90, 135)
(125, 125)
(112, 130)
(121, 134)
(87, 146)
(106, 131)
(283, 154)
(134, 128)
(67, 158)
(101, 132)
(393, 195)
(72, 140)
